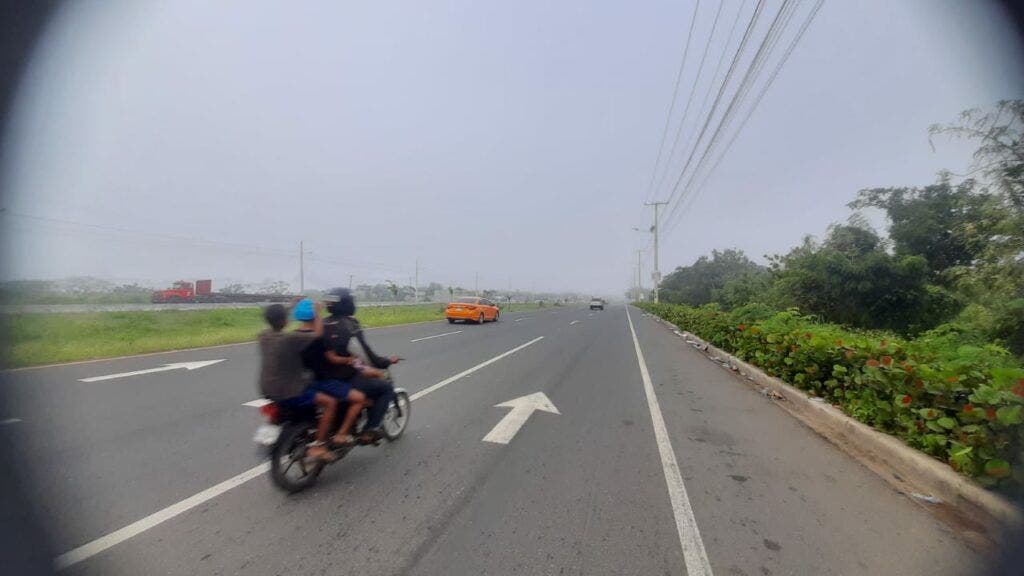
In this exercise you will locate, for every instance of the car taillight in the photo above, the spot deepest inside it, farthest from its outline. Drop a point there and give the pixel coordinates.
(270, 412)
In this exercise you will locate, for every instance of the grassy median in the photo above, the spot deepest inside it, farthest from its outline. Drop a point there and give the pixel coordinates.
(33, 339)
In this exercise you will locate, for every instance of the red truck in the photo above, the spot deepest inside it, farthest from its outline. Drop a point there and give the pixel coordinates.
(202, 291)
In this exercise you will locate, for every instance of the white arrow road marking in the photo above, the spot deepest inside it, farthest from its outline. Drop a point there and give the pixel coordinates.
(694, 555)
(93, 548)
(164, 368)
(522, 408)
(436, 336)
(258, 403)
(574, 322)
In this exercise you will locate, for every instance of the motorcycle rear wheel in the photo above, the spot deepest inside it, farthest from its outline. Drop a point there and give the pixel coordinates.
(290, 468)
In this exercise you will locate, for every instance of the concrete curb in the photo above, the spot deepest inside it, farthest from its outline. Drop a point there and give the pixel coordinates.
(925, 480)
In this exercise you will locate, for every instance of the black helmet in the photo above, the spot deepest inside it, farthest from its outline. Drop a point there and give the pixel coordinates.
(340, 302)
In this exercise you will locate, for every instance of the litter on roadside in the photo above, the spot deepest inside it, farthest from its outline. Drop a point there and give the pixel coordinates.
(926, 498)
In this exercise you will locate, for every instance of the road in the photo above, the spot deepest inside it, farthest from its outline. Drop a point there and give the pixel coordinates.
(657, 462)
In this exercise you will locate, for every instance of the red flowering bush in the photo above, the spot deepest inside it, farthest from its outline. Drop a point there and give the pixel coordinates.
(962, 404)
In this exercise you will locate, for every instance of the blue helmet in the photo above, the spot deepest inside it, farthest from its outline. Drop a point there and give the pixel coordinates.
(304, 311)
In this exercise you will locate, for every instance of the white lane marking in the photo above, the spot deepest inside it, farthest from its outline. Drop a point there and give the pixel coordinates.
(257, 403)
(100, 544)
(465, 373)
(436, 336)
(10, 421)
(574, 322)
(522, 408)
(85, 551)
(164, 368)
(694, 555)
(521, 319)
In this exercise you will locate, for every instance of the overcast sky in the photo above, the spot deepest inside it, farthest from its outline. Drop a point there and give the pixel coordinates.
(512, 139)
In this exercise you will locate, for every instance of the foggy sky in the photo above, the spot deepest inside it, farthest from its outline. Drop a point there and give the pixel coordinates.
(513, 140)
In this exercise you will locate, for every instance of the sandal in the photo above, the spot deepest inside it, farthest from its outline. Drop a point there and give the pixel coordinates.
(343, 440)
(326, 456)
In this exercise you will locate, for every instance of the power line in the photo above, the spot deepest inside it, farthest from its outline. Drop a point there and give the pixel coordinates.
(689, 100)
(675, 93)
(764, 89)
(721, 90)
(781, 19)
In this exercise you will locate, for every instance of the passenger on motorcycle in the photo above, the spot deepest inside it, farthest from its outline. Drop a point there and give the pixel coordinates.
(283, 377)
(309, 315)
(339, 329)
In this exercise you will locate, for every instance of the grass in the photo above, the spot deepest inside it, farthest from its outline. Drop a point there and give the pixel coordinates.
(34, 339)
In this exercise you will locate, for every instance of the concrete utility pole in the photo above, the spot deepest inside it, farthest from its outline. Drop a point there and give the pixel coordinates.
(639, 276)
(656, 275)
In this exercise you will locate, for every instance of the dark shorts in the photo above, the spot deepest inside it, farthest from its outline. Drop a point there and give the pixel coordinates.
(305, 398)
(337, 388)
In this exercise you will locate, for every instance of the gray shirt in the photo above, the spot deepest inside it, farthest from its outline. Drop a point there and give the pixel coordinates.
(282, 372)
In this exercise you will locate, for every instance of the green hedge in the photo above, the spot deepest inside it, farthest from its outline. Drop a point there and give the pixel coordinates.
(959, 403)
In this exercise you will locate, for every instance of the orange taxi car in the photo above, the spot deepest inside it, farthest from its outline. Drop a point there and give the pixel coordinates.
(472, 309)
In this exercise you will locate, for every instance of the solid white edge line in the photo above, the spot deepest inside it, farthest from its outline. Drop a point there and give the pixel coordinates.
(93, 548)
(694, 555)
(257, 403)
(436, 336)
(10, 421)
(469, 371)
(135, 528)
(574, 322)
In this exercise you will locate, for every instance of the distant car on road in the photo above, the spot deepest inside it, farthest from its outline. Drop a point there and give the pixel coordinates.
(596, 304)
(472, 309)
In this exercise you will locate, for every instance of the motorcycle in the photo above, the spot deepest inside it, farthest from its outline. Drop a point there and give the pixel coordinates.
(288, 432)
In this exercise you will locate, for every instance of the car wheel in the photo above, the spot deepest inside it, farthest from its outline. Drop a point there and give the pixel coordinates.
(480, 320)
(496, 315)
(451, 320)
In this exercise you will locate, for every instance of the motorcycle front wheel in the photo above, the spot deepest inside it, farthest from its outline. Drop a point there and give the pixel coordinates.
(396, 419)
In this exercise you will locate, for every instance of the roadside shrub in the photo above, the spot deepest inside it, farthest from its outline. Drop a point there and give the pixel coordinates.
(958, 402)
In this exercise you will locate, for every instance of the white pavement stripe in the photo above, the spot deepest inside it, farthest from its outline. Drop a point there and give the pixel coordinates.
(100, 544)
(177, 366)
(694, 555)
(10, 421)
(574, 322)
(521, 319)
(257, 403)
(465, 373)
(135, 528)
(436, 336)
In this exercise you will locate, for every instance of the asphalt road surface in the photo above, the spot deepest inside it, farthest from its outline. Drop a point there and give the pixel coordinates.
(657, 461)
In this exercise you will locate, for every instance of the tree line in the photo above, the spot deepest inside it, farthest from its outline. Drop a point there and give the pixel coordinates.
(951, 262)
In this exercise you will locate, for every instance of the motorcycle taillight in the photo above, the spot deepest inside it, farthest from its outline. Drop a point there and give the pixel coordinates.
(270, 412)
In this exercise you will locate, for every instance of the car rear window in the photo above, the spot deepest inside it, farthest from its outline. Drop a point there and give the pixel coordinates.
(466, 300)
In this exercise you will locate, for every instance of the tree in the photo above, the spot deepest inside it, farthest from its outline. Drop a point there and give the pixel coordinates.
(699, 283)
(850, 279)
(233, 289)
(1000, 153)
(943, 223)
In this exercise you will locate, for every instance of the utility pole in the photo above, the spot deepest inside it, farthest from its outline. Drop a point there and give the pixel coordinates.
(639, 276)
(416, 286)
(476, 283)
(302, 268)
(350, 281)
(656, 276)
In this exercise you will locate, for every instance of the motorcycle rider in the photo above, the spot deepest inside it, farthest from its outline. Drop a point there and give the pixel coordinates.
(339, 329)
(284, 379)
